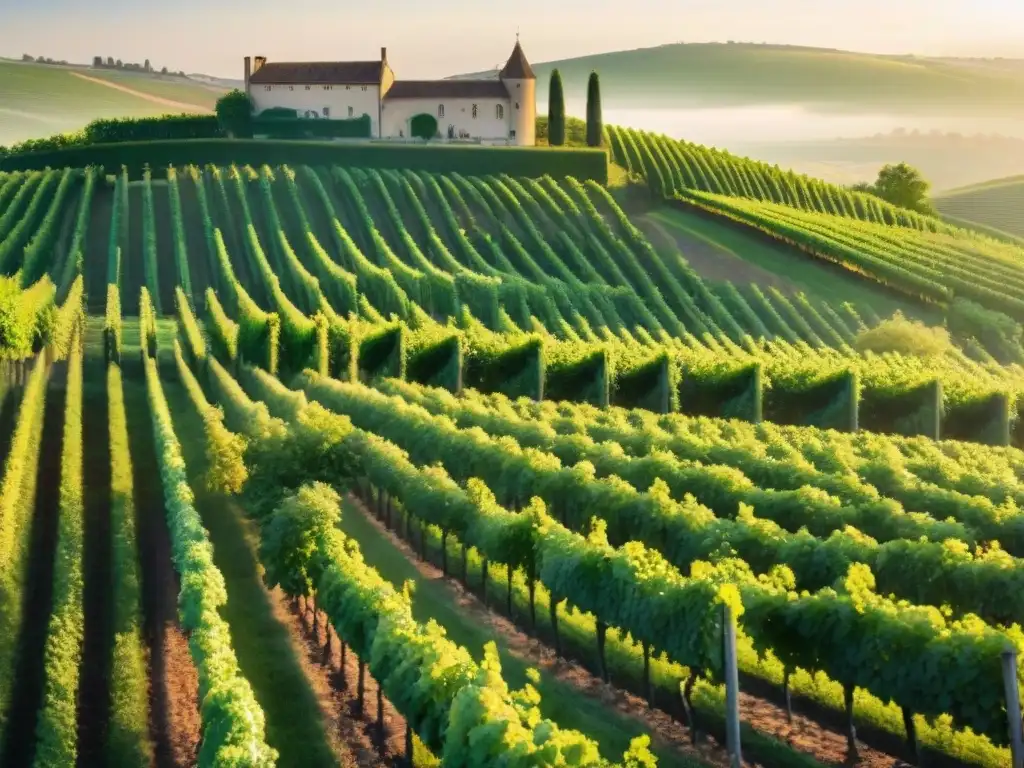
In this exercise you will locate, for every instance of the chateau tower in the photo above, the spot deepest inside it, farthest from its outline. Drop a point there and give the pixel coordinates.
(518, 77)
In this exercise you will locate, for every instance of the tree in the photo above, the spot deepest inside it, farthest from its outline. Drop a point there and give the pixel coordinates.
(147, 66)
(423, 126)
(27, 57)
(556, 111)
(595, 126)
(110, 61)
(902, 185)
(234, 113)
(97, 61)
(119, 64)
(163, 70)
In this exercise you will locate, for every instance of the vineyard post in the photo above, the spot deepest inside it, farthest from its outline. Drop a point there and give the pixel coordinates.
(1013, 707)
(732, 691)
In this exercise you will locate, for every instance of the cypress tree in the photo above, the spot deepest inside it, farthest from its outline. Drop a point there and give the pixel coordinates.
(594, 122)
(556, 111)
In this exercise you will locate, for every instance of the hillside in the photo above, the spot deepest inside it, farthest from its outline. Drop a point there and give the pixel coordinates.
(42, 99)
(948, 160)
(583, 456)
(998, 204)
(720, 75)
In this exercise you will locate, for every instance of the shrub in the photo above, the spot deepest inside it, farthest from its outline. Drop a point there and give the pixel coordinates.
(234, 113)
(908, 337)
(423, 126)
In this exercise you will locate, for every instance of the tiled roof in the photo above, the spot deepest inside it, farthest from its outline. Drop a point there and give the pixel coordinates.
(318, 73)
(517, 67)
(447, 89)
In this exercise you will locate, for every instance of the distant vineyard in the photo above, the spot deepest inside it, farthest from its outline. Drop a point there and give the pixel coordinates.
(672, 166)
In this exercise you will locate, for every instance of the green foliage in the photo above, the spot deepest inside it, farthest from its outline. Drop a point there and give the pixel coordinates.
(234, 114)
(222, 330)
(42, 240)
(128, 733)
(1001, 335)
(149, 260)
(16, 237)
(125, 129)
(27, 318)
(423, 126)
(112, 326)
(57, 725)
(178, 234)
(556, 110)
(147, 324)
(908, 337)
(435, 158)
(271, 127)
(225, 469)
(904, 186)
(575, 131)
(595, 124)
(232, 722)
(16, 492)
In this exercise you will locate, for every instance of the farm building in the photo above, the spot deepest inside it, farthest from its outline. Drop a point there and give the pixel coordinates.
(500, 110)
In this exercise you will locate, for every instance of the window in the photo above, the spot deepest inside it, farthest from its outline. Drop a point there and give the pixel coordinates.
(350, 111)
(474, 111)
(517, 105)
(327, 111)
(512, 133)
(440, 110)
(267, 87)
(308, 87)
(291, 87)
(364, 87)
(327, 87)
(499, 112)
(348, 87)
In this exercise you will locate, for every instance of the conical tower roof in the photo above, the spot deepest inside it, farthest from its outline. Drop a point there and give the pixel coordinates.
(517, 67)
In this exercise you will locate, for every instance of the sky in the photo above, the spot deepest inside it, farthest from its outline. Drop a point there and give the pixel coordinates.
(434, 39)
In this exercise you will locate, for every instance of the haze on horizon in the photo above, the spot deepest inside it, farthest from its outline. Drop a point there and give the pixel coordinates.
(431, 40)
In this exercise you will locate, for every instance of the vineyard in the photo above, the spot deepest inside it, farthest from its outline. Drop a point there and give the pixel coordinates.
(335, 465)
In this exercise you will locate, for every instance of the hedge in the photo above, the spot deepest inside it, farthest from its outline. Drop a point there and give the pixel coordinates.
(303, 128)
(582, 164)
(117, 130)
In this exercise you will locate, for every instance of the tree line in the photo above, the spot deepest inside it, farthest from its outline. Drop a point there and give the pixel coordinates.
(99, 62)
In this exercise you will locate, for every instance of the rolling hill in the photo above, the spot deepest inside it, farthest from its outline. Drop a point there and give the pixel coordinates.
(683, 75)
(42, 99)
(948, 160)
(996, 204)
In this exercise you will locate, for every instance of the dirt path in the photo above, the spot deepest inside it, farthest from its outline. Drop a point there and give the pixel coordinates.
(666, 734)
(94, 688)
(802, 735)
(183, 106)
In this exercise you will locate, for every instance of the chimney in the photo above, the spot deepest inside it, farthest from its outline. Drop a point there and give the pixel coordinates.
(384, 54)
(258, 64)
(248, 72)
